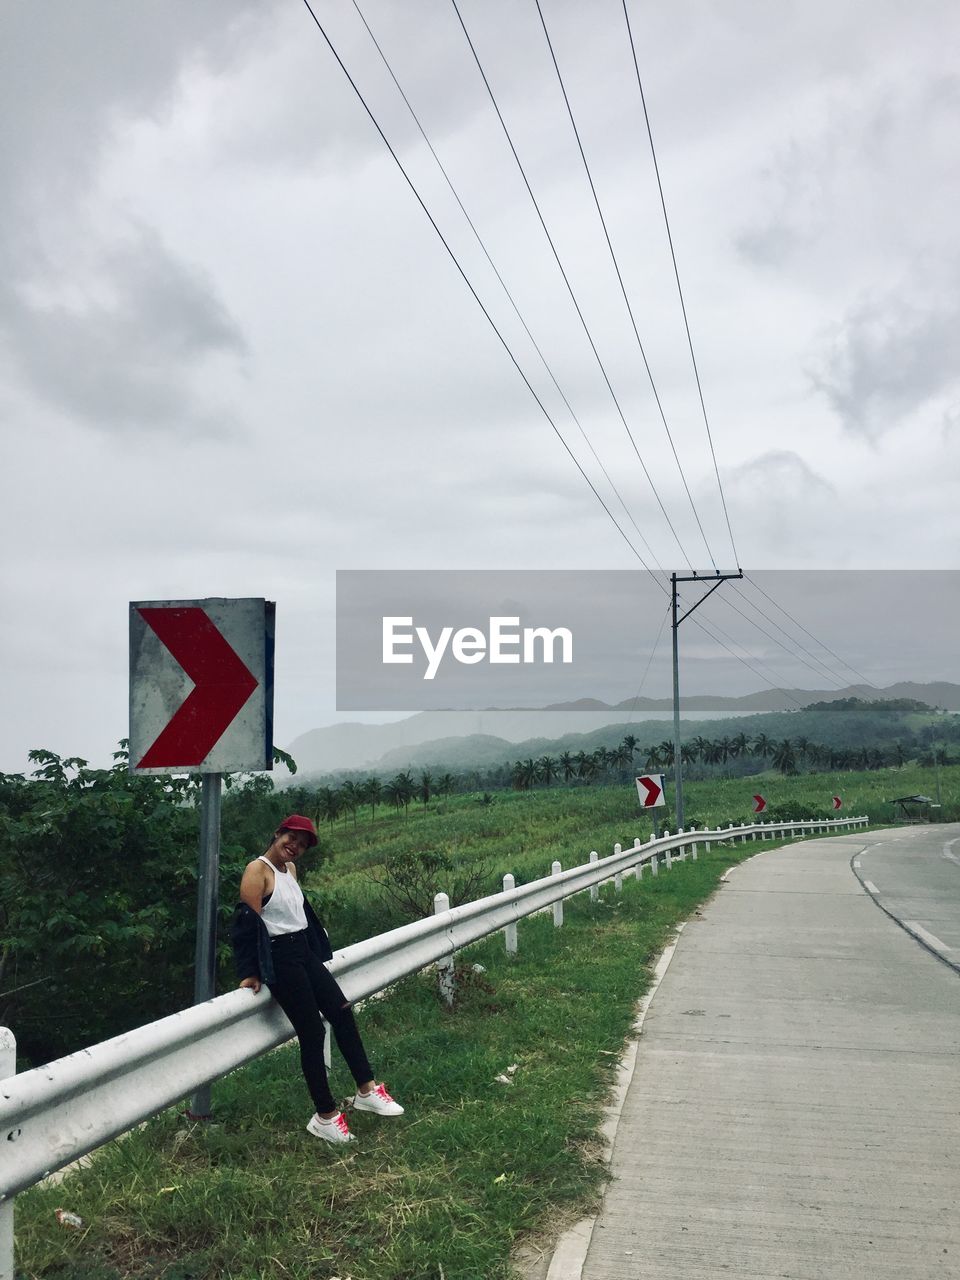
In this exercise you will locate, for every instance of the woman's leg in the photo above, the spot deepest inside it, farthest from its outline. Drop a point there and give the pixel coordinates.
(335, 1007)
(294, 993)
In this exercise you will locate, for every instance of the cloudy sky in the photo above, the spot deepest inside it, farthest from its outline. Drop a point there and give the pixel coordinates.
(236, 356)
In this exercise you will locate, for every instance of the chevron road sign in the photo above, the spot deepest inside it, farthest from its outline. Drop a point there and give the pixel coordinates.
(759, 804)
(201, 686)
(650, 790)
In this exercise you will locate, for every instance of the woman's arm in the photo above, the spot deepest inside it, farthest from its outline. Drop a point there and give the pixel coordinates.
(253, 889)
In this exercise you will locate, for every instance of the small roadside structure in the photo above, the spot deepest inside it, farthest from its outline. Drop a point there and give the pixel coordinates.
(912, 808)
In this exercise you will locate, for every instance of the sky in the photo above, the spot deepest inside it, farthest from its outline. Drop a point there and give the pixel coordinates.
(235, 356)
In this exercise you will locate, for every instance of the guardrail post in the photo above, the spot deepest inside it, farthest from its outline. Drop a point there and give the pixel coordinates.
(707, 843)
(667, 853)
(8, 1067)
(654, 861)
(594, 889)
(510, 932)
(682, 850)
(638, 869)
(693, 847)
(556, 870)
(441, 903)
(618, 875)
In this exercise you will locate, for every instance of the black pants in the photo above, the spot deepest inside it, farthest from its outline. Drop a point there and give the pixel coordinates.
(307, 992)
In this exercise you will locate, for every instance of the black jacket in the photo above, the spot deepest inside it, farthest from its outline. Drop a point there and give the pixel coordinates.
(251, 942)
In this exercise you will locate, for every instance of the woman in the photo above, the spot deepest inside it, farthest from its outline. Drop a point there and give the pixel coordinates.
(278, 940)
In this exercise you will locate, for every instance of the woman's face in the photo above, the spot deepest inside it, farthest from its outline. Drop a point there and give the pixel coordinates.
(290, 844)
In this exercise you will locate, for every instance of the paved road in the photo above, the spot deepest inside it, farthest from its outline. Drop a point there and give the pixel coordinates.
(915, 876)
(795, 1110)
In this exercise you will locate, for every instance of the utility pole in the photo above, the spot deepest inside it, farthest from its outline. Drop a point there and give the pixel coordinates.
(717, 578)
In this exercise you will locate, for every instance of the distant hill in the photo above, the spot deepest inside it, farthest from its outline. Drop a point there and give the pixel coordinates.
(456, 740)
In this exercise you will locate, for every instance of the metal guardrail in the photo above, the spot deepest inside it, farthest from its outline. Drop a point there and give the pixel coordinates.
(54, 1114)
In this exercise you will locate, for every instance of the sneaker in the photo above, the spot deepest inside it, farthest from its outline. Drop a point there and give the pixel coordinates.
(378, 1101)
(333, 1130)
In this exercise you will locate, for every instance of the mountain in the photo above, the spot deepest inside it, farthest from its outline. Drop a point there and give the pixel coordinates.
(461, 739)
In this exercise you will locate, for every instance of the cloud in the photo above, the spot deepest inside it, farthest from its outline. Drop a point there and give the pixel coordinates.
(122, 349)
(888, 357)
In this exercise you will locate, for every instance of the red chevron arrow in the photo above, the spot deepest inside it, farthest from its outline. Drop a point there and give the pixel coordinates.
(759, 804)
(223, 683)
(654, 791)
(837, 802)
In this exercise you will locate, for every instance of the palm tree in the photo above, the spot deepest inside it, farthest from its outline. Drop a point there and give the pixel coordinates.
(739, 746)
(403, 787)
(568, 765)
(524, 774)
(372, 794)
(329, 805)
(350, 798)
(586, 766)
(762, 746)
(424, 789)
(446, 784)
(784, 758)
(629, 744)
(546, 769)
(394, 793)
(665, 751)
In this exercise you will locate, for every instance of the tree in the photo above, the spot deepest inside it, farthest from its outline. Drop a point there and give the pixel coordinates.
(524, 774)
(586, 766)
(784, 758)
(351, 797)
(762, 746)
(568, 765)
(425, 788)
(112, 901)
(372, 792)
(546, 769)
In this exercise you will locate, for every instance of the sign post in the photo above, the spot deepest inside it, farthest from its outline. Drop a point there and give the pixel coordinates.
(201, 701)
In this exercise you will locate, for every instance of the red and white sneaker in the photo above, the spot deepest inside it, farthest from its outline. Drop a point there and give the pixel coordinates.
(333, 1130)
(378, 1101)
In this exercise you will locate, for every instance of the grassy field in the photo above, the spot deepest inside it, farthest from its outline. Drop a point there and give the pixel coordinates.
(476, 1168)
(523, 832)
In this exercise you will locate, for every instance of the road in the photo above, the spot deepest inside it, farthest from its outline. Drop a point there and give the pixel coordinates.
(915, 878)
(793, 1111)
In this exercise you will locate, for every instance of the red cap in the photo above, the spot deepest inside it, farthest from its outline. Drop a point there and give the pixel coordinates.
(297, 822)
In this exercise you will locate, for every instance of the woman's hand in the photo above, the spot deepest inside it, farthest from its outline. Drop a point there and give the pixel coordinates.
(253, 983)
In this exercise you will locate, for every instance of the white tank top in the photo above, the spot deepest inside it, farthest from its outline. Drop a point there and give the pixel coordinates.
(284, 912)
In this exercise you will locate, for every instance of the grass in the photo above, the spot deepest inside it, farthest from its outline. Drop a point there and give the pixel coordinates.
(523, 832)
(475, 1168)
(452, 1187)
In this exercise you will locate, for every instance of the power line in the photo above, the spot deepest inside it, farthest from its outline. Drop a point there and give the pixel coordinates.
(834, 675)
(503, 284)
(466, 280)
(676, 272)
(566, 280)
(705, 628)
(792, 652)
(756, 586)
(623, 289)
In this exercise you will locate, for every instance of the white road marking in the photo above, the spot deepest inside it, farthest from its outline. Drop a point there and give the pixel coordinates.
(930, 939)
(946, 851)
(856, 864)
(870, 887)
